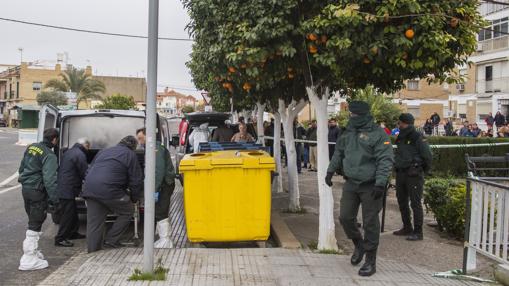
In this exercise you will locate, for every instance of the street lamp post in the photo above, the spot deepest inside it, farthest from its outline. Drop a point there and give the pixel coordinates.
(150, 151)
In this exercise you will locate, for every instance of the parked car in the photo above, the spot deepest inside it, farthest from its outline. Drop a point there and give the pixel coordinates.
(181, 141)
(103, 128)
(3, 123)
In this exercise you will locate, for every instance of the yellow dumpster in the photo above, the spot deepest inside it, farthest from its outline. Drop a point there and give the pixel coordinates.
(227, 195)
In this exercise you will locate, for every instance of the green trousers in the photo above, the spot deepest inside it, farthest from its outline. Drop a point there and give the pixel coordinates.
(352, 198)
(162, 210)
(36, 207)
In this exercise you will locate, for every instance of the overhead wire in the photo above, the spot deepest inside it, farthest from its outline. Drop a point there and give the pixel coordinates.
(92, 31)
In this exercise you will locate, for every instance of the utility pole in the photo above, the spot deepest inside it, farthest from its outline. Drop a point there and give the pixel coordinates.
(20, 49)
(150, 151)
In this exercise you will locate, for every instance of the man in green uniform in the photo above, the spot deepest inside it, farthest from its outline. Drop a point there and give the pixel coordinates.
(364, 157)
(413, 159)
(165, 184)
(38, 177)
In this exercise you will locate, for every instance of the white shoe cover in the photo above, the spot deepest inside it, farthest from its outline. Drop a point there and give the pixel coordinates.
(32, 258)
(164, 230)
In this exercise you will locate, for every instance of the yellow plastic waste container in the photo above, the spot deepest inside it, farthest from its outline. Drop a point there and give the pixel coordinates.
(227, 195)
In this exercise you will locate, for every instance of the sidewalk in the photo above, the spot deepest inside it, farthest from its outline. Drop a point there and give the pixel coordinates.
(436, 252)
(244, 266)
(194, 266)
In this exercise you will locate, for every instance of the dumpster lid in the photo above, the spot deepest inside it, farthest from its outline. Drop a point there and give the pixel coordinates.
(244, 158)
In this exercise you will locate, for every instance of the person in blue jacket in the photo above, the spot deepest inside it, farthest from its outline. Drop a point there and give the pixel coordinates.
(113, 183)
(72, 171)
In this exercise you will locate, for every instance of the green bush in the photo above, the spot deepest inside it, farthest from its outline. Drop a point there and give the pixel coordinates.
(451, 161)
(445, 198)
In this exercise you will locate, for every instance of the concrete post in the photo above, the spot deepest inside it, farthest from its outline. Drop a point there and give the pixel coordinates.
(150, 151)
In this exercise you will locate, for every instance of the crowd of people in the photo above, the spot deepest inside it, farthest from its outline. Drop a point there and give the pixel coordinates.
(496, 126)
(307, 151)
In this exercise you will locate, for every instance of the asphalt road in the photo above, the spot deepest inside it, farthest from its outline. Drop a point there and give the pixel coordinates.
(13, 223)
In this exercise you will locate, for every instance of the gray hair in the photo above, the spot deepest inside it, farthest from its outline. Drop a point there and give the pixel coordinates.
(83, 141)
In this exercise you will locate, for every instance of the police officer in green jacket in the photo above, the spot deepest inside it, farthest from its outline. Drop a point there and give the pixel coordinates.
(364, 157)
(38, 177)
(413, 159)
(165, 184)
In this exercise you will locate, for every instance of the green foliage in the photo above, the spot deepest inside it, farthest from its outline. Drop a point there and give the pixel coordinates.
(368, 42)
(264, 50)
(329, 251)
(187, 109)
(118, 101)
(451, 161)
(52, 97)
(382, 108)
(313, 245)
(158, 275)
(445, 198)
(78, 81)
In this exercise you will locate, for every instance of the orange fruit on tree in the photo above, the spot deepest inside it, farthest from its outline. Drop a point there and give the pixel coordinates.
(313, 49)
(312, 37)
(247, 86)
(409, 33)
(291, 75)
(289, 69)
(454, 22)
(232, 69)
(366, 60)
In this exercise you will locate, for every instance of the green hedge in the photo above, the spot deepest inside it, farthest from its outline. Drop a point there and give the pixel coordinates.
(451, 161)
(445, 198)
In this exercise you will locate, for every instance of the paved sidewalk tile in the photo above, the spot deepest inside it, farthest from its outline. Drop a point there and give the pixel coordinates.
(224, 267)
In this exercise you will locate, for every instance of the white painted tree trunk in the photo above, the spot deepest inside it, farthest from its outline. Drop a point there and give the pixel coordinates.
(288, 114)
(260, 109)
(326, 232)
(277, 186)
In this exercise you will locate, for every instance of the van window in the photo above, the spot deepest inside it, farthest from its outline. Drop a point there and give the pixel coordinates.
(102, 131)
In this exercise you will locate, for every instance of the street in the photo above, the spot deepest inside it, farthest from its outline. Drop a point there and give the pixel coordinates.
(13, 222)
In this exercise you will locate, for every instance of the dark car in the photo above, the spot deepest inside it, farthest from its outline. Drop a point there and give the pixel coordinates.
(181, 141)
(3, 123)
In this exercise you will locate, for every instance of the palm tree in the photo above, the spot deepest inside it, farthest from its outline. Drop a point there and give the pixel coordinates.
(78, 81)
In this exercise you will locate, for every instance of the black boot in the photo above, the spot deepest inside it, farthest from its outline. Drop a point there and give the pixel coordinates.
(369, 267)
(406, 230)
(358, 253)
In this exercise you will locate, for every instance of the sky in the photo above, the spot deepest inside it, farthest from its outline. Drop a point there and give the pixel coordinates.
(107, 55)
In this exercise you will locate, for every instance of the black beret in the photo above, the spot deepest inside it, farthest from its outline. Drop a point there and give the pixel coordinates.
(359, 107)
(407, 118)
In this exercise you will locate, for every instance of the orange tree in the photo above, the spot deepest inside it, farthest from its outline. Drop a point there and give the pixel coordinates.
(282, 50)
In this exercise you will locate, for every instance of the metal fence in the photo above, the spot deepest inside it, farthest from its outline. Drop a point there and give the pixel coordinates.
(487, 213)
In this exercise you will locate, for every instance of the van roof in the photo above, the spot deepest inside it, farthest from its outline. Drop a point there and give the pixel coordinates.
(134, 113)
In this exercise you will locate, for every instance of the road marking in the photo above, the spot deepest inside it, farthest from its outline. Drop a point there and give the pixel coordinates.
(10, 189)
(6, 181)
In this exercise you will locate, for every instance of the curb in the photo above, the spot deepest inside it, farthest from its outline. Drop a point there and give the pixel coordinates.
(282, 233)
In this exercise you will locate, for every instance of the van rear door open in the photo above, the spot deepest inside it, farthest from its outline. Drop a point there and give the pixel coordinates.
(48, 117)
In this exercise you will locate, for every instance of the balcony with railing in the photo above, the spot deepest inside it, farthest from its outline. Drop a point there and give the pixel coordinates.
(493, 45)
(500, 84)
